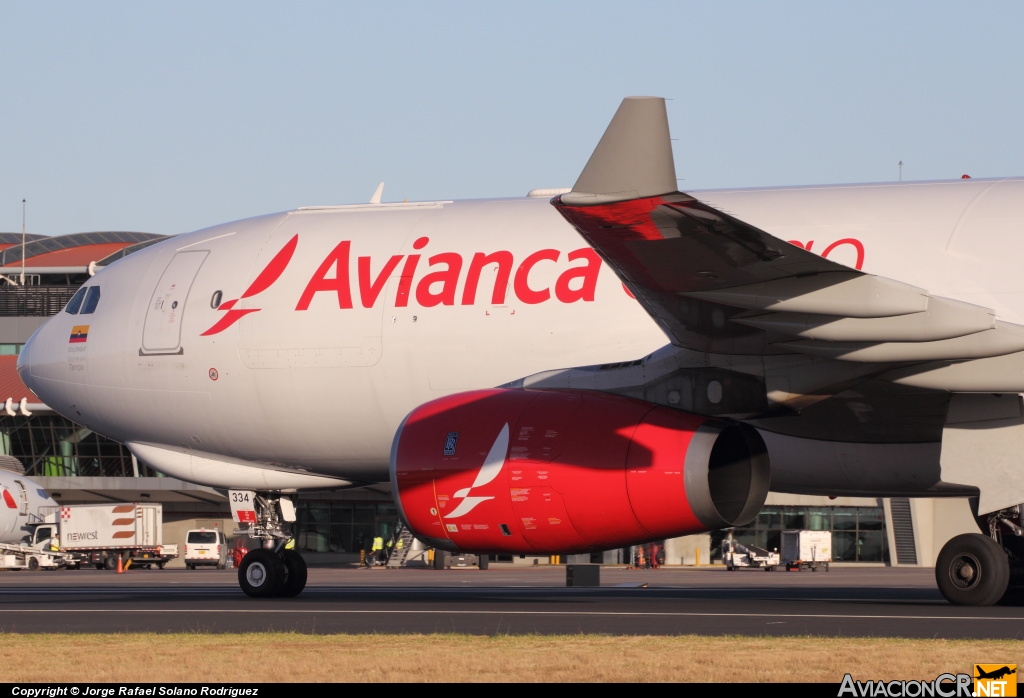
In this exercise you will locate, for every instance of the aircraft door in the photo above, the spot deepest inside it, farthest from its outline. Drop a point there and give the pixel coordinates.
(161, 333)
(22, 498)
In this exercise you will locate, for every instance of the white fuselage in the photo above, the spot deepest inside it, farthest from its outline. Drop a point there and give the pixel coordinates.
(338, 342)
(22, 502)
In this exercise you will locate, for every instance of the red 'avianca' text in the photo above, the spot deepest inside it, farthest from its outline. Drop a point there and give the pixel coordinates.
(444, 271)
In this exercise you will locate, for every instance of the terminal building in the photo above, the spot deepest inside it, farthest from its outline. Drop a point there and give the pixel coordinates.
(38, 276)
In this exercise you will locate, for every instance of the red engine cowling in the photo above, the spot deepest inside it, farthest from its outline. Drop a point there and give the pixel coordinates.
(543, 471)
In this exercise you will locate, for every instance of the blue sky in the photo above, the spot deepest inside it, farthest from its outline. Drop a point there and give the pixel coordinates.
(168, 117)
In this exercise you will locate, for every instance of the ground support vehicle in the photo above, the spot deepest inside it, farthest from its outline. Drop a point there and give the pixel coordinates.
(206, 547)
(806, 549)
(736, 555)
(445, 561)
(25, 557)
(104, 534)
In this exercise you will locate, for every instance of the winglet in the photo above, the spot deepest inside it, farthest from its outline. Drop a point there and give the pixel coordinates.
(375, 199)
(633, 159)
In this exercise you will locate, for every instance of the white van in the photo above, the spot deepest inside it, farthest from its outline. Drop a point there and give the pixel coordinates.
(206, 546)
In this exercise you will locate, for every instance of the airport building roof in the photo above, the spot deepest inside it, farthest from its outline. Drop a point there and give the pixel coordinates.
(11, 387)
(127, 250)
(10, 382)
(68, 252)
(12, 239)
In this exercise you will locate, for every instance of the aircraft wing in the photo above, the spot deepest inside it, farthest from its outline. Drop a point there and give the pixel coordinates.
(717, 284)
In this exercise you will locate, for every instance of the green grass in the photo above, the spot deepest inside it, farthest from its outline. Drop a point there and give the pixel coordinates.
(260, 657)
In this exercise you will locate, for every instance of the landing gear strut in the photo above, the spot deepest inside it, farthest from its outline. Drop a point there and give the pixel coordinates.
(974, 569)
(273, 570)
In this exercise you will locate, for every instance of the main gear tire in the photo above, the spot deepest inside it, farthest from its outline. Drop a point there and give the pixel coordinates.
(262, 574)
(972, 570)
(295, 567)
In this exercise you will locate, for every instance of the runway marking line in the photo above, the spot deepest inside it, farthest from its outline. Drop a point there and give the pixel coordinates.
(670, 614)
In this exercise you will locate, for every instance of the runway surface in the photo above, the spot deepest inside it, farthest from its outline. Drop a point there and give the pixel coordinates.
(852, 601)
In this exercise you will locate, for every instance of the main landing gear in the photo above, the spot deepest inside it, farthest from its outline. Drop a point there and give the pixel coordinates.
(266, 573)
(273, 570)
(974, 569)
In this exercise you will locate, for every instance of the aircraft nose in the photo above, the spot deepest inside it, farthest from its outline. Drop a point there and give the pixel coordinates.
(25, 359)
(38, 361)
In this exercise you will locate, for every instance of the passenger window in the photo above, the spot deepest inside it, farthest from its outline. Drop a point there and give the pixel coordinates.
(76, 302)
(91, 300)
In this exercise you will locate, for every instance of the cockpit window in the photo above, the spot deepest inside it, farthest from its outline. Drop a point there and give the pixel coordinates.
(76, 302)
(92, 299)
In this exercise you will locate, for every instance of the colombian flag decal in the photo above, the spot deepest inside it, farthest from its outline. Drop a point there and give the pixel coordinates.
(79, 333)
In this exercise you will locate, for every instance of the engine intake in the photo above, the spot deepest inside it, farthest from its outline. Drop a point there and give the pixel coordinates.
(535, 471)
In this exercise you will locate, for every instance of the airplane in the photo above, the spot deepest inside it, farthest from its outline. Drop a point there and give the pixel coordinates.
(22, 502)
(994, 674)
(574, 370)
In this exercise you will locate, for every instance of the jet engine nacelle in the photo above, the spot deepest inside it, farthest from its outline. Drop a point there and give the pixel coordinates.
(527, 471)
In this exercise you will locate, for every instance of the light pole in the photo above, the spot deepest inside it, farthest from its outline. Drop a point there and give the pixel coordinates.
(22, 242)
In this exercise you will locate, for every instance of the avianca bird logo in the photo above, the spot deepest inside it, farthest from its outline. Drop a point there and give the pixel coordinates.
(271, 273)
(493, 464)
